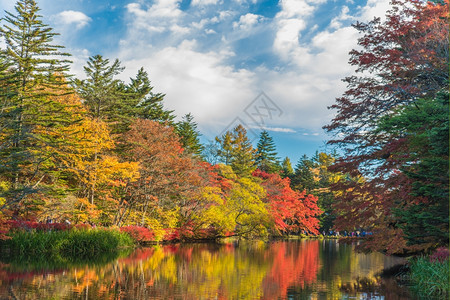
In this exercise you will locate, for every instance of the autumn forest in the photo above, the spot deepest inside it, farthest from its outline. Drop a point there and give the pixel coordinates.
(104, 152)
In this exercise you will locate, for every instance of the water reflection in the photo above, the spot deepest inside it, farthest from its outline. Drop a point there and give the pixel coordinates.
(281, 270)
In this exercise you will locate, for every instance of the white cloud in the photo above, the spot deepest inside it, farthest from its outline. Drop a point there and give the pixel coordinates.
(71, 17)
(247, 21)
(174, 47)
(275, 129)
(287, 37)
(179, 29)
(196, 82)
(374, 8)
(158, 17)
(336, 23)
(160, 9)
(295, 8)
(203, 2)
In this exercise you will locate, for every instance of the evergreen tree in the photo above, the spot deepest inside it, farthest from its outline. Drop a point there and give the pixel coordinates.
(423, 214)
(266, 156)
(189, 135)
(32, 73)
(286, 167)
(150, 105)
(243, 162)
(225, 147)
(303, 177)
(237, 151)
(101, 92)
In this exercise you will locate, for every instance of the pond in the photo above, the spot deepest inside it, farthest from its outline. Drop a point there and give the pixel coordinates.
(303, 269)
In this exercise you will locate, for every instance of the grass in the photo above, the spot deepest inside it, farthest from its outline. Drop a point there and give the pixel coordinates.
(65, 244)
(430, 280)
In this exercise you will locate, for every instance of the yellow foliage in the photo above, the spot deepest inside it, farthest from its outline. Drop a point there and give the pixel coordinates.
(84, 211)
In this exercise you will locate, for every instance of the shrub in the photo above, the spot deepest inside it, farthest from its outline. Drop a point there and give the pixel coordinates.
(16, 225)
(139, 234)
(441, 254)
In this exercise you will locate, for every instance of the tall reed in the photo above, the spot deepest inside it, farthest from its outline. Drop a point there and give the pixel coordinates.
(430, 279)
(72, 243)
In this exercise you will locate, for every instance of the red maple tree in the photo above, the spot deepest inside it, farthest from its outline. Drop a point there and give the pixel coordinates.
(292, 211)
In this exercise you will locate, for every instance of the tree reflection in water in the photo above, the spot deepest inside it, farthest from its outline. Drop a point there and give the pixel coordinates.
(280, 270)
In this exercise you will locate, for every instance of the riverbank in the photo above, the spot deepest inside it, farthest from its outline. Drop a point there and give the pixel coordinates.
(76, 243)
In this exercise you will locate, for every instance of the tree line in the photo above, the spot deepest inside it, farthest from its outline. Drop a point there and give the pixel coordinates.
(107, 152)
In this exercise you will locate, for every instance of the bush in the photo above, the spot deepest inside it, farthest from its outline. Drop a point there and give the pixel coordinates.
(139, 234)
(430, 279)
(19, 225)
(440, 255)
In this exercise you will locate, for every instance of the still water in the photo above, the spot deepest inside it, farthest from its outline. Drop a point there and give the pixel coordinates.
(306, 269)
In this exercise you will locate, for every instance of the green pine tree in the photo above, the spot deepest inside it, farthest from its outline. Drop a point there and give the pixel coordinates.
(286, 167)
(189, 135)
(236, 150)
(243, 162)
(150, 105)
(225, 147)
(102, 93)
(33, 71)
(423, 215)
(303, 177)
(266, 155)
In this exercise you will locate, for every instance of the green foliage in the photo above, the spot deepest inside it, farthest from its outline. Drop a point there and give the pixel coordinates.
(189, 135)
(423, 216)
(100, 91)
(224, 148)
(286, 167)
(313, 176)
(266, 156)
(303, 177)
(32, 70)
(242, 209)
(237, 151)
(430, 280)
(150, 105)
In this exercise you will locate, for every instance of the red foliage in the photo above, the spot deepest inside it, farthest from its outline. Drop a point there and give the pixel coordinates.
(166, 175)
(4, 228)
(406, 58)
(30, 225)
(291, 210)
(441, 254)
(189, 232)
(138, 233)
(82, 226)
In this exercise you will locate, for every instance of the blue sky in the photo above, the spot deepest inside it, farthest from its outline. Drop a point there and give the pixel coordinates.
(213, 58)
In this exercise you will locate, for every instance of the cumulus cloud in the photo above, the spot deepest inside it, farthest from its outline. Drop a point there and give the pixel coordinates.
(160, 9)
(247, 21)
(174, 46)
(159, 17)
(203, 2)
(196, 82)
(274, 129)
(71, 17)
